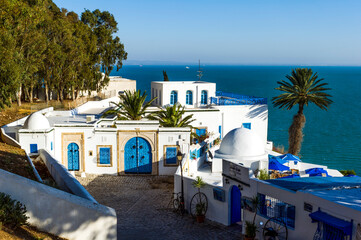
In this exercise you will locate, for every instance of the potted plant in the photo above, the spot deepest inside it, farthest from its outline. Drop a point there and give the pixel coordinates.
(200, 212)
(251, 227)
(201, 206)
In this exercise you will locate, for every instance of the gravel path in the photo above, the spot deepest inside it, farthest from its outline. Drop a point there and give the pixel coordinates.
(143, 209)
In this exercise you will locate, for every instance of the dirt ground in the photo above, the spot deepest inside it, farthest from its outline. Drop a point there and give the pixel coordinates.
(26, 233)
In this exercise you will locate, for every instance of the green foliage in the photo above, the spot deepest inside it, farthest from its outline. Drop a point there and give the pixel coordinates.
(201, 209)
(12, 212)
(302, 88)
(251, 229)
(172, 116)
(132, 106)
(44, 46)
(263, 174)
(348, 172)
(165, 76)
(198, 183)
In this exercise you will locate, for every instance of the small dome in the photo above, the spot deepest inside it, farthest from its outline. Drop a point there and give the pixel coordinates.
(240, 142)
(36, 121)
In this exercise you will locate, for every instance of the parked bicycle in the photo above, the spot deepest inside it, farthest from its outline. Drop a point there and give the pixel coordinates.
(178, 203)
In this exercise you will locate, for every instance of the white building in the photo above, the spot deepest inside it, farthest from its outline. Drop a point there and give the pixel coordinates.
(308, 206)
(214, 111)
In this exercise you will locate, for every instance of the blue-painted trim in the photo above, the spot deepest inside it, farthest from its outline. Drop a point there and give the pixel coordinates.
(33, 148)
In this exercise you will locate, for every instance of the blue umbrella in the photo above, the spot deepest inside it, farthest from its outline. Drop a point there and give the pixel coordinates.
(289, 157)
(277, 158)
(313, 172)
(274, 164)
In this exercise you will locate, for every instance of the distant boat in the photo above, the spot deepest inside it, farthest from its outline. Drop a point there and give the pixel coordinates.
(187, 67)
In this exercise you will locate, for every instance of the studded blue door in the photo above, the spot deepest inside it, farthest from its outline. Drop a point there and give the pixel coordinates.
(73, 157)
(235, 205)
(137, 156)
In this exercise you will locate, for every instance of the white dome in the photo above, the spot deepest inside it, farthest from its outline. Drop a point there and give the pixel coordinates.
(36, 121)
(240, 142)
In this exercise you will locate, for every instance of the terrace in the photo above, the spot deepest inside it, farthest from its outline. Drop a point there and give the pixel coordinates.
(224, 98)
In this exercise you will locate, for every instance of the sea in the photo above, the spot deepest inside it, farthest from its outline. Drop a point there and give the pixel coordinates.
(331, 137)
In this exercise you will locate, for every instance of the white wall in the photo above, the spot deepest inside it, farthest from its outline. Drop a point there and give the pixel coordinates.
(58, 212)
(165, 88)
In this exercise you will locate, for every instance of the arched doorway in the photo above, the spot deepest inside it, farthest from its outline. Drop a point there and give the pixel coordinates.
(137, 156)
(73, 157)
(235, 204)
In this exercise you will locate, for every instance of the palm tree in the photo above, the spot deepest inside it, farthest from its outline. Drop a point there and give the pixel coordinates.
(172, 116)
(132, 106)
(303, 87)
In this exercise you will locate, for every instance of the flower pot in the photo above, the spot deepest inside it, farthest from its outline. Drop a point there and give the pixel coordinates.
(249, 238)
(200, 218)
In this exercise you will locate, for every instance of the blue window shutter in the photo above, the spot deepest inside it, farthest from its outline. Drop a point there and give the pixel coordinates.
(220, 131)
(171, 155)
(33, 148)
(247, 125)
(204, 97)
(104, 155)
(51, 146)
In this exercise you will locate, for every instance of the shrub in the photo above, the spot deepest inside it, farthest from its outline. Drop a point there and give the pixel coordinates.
(12, 212)
(348, 172)
(263, 175)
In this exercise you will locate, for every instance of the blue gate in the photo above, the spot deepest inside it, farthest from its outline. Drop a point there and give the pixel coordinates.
(235, 205)
(137, 156)
(73, 157)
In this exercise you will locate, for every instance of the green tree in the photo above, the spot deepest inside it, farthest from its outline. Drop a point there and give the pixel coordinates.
(165, 76)
(172, 116)
(302, 88)
(132, 106)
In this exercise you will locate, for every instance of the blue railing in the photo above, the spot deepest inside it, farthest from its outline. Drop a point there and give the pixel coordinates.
(224, 98)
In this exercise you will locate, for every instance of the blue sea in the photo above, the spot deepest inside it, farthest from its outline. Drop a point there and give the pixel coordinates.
(331, 137)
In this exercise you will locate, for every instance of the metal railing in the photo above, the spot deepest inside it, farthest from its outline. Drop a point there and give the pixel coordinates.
(274, 208)
(223, 98)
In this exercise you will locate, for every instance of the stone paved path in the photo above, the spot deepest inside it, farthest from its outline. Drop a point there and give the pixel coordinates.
(143, 209)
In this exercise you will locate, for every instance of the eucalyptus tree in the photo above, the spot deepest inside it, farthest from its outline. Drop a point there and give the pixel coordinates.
(302, 88)
(109, 49)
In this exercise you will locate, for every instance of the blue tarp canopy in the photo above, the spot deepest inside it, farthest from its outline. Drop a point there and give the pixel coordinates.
(274, 164)
(313, 172)
(271, 157)
(290, 157)
(335, 222)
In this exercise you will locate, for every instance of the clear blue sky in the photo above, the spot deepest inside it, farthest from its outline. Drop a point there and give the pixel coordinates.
(247, 32)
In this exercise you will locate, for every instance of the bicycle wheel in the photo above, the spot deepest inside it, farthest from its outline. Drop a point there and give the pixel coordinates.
(176, 204)
(197, 199)
(275, 229)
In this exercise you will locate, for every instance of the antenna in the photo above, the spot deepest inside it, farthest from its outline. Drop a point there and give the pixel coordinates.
(200, 71)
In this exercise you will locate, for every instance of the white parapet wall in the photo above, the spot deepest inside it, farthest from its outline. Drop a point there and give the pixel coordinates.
(59, 212)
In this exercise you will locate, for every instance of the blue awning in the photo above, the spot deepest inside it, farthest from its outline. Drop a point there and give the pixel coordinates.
(274, 164)
(290, 157)
(316, 172)
(335, 222)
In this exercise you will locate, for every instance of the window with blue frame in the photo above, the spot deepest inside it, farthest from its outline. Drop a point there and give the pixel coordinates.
(204, 97)
(34, 148)
(274, 208)
(173, 97)
(105, 155)
(189, 98)
(246, 125)
(170, 155)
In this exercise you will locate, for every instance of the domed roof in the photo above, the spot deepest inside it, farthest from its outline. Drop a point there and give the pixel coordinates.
(240, 142)
(36, 121)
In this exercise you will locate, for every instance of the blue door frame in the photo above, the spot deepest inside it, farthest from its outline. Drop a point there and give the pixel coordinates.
(137, 156)
(235, 202)
(73, 157)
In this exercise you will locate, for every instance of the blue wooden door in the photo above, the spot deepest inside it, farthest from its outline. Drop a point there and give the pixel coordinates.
(73, 157)
(144, 156)
(137, 156)
(235, 205)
